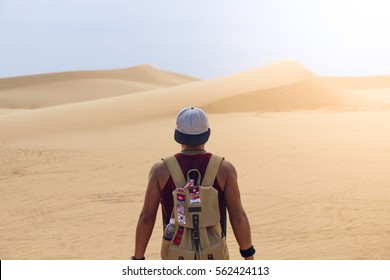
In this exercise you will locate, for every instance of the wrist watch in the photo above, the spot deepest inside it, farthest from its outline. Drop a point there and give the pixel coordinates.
(134, 258)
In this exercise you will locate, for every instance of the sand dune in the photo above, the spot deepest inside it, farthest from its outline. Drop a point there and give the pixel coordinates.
(283, 86)
(312, 164)
(71, 87)
(376, 87)
(361, 82)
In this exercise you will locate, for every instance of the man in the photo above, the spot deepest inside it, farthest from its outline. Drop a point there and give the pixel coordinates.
(192, 132)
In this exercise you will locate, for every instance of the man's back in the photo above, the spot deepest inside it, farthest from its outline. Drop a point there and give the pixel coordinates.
(200, 162)
(226, 174)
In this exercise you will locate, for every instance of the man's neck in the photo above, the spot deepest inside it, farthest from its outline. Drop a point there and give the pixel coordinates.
(193, 150)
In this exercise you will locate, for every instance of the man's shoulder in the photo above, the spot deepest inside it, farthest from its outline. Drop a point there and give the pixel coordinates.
(226, 170)
(226, 165)
(159, 168)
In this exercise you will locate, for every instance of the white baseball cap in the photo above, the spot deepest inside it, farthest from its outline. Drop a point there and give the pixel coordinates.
(192, 127)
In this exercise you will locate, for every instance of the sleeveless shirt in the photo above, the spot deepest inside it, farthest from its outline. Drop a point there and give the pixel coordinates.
(188, 162)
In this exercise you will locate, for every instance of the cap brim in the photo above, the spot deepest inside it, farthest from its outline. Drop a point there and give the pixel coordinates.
(192, 140)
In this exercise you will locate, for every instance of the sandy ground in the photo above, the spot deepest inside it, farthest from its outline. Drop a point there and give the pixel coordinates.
(312, 154)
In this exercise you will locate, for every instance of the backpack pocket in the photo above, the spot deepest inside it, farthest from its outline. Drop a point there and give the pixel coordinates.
(213, 243)
(215, 252)
(177, 253)
(164, 249)
(206, 207)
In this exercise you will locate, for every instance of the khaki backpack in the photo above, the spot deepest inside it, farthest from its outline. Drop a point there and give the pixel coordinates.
(198, 234)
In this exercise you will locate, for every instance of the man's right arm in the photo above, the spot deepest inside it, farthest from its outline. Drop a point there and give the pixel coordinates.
(237, 216)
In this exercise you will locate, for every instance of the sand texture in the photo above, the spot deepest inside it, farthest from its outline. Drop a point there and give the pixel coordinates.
(312, 155)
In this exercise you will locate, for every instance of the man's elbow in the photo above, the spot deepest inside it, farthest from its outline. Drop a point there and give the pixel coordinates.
(146, 219)
(239, 220)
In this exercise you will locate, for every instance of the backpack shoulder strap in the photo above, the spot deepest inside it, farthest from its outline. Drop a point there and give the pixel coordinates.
(175, 171)
(212, 170)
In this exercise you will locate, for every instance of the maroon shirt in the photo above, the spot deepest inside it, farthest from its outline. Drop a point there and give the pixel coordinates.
(188, 162)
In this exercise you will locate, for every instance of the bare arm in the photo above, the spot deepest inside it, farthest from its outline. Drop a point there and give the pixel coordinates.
(238, 218)
(148, 214)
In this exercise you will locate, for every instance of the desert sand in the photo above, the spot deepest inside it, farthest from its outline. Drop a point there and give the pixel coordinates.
(312, 155)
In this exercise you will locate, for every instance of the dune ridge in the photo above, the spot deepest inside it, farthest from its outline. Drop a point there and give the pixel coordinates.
(141, 73)
(37, 91)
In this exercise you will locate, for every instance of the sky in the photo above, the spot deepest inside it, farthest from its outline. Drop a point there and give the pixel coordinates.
(201, 38)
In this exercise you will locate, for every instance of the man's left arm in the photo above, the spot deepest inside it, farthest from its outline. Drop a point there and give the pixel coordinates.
(148, 214)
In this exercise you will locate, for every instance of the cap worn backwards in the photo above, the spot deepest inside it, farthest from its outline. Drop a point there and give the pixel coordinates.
(192, 127)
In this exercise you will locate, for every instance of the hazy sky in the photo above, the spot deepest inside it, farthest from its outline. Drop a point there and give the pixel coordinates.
(202, 38)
